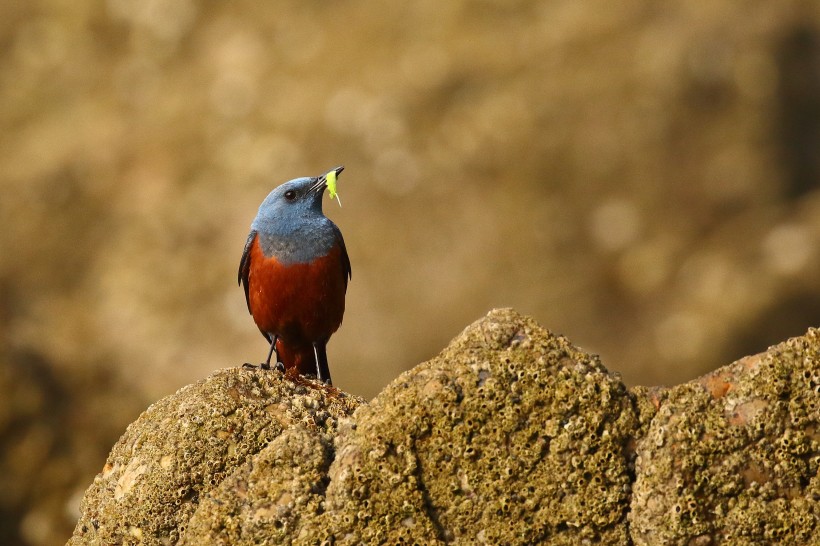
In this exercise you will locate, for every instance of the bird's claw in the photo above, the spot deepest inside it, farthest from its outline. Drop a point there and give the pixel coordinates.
(279, 366)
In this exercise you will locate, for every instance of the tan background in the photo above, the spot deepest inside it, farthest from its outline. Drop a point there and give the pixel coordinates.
(641, 176)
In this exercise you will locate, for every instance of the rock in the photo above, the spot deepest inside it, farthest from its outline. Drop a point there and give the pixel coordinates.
(733, 456)
(268, 497)
(510, 436)
(183, 446)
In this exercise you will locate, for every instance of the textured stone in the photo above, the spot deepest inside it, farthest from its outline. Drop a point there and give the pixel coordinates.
(183, 446)
(732, 458)
(268, 497)
(510, 436)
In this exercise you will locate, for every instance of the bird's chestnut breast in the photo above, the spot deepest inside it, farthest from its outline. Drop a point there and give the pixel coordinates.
(300, 303)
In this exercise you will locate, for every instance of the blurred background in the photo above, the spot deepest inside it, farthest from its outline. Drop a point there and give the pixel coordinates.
(641, 176)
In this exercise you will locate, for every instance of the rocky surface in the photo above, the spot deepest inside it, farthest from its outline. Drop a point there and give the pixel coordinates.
(733, 457)
(510, 436)
(185, 445)
(270, 498)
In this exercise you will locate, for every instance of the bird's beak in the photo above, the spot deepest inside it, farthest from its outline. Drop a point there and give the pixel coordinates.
(331, 175)
(328, 180)
(322, 180)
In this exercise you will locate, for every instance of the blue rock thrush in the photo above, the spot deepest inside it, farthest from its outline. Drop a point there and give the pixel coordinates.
(294, 270)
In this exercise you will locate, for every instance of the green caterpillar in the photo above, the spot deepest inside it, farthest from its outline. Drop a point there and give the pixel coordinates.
(331, 186)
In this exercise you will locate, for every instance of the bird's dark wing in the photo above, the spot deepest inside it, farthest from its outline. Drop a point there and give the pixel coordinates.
(348, 273)
(245, 271)
(245, 267)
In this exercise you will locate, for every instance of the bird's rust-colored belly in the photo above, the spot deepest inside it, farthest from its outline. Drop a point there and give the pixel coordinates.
(299, 303)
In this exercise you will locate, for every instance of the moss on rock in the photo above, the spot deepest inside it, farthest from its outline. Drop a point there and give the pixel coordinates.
(510, 436)
(732, 458)
(183, 446)
(268, 497)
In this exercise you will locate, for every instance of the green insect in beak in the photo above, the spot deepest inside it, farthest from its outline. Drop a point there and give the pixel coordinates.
(330, 181)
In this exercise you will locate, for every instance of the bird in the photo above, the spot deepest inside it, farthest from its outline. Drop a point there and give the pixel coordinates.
(294, 270)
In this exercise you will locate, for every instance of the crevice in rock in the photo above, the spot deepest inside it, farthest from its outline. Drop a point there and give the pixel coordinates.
(320, 488)
(427, 501)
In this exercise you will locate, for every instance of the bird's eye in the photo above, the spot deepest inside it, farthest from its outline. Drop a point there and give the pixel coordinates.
(290, 195)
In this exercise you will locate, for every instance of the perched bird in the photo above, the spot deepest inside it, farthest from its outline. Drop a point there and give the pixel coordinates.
(295, 270)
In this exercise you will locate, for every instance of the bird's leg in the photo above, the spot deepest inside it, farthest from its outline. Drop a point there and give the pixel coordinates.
(322, 369)
(279, 364)
(266, 364)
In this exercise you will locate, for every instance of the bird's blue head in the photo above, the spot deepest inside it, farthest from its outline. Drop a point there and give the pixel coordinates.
(290, 221)
(292, 205)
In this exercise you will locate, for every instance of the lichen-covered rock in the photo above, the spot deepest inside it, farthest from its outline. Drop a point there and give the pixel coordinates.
(183, 446)
(733, 457)
(510, 436)
(268, 497)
